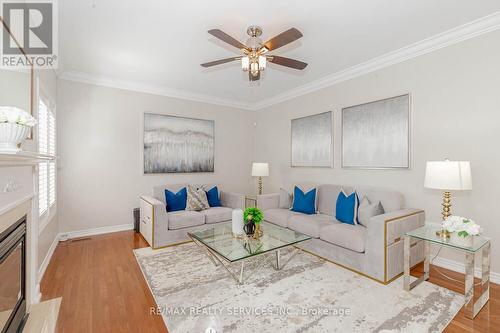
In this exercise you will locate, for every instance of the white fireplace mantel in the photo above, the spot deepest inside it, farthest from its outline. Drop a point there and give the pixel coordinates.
(18, 197)
(24, 158)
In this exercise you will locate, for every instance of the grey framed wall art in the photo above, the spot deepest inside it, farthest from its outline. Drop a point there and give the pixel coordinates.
(376, 135)
(177, 144)
(312, 141)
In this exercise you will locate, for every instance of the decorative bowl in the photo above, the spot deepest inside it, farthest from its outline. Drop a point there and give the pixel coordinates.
(11, 136)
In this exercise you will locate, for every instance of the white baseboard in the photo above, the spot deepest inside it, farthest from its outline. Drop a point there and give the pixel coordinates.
(460, 268)
(46, 260)
(75, 234)
(96, 231)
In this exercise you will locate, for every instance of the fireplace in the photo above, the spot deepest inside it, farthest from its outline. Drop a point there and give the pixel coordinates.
(13, 277)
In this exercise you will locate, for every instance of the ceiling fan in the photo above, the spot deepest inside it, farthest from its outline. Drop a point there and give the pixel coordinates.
(255, 52)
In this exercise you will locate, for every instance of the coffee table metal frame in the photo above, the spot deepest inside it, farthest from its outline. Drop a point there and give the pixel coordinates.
(240, 275)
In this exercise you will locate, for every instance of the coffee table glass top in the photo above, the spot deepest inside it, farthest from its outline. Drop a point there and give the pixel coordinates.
(428, 233)
(220, 239)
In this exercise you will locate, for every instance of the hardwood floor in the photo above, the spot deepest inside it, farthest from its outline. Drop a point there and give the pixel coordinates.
(101, 285)
(487, 320)
(103, 290)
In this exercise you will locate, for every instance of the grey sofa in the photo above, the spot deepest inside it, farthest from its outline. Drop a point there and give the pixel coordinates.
(375, 250)
(172, 228)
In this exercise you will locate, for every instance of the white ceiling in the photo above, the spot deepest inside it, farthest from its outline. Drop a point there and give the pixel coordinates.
(160, 44)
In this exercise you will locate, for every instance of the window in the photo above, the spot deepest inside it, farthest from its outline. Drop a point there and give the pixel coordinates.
(47, 170)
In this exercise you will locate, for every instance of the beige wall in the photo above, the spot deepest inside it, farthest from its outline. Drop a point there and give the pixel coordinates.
(455, 114)
(100, 145)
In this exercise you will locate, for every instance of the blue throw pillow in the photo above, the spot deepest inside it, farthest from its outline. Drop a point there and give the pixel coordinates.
(347, 208)
(213, 197)
(176, 201)
(304, 203)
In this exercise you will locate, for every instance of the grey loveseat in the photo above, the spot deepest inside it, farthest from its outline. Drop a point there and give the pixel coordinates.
(172, 227)
(375, 250)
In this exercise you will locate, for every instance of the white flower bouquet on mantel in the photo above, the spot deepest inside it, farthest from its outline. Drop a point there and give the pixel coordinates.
(463, 226)
(15, 125)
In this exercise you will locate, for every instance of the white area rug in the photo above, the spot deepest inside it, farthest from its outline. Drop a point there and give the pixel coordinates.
(308, 295)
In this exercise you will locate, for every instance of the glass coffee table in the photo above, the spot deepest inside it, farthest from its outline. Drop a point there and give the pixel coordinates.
(469, 245)
(226, 250)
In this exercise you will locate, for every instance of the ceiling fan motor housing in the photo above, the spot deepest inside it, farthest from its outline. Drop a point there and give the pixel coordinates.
(254, 31)
(255, 52)
(254, 42)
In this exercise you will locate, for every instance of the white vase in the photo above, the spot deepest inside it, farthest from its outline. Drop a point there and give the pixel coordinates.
(11, 135)
(237, 222)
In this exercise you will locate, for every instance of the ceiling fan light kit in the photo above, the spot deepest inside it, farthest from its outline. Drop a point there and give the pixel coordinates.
(255, 52)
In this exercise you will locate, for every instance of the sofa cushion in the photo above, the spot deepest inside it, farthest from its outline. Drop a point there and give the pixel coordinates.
(304, 202)
(176, 201)
(286, 199)
(310, 225)
(327, 197)
(196, 199)
(159, 191)
(346, 209)
(367, 210)
(349, 236)
(278, 216)
(217, 214)
(213, 196)
(389, 199)
(184, 218)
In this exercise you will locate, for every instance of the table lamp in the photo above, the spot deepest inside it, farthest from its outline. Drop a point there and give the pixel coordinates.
(260, 170)
(448, 176)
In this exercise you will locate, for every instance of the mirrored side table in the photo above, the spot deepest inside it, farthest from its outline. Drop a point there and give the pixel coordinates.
(469, 245)
(250, 200)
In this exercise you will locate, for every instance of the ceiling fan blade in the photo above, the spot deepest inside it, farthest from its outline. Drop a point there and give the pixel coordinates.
(218, 62)
(228, 39)
(287, 62)
(282, 39)
(253, 78)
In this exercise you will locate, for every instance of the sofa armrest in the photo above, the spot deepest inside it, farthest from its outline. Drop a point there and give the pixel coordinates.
(268, 201)
(159, 214)
(385, 230)
(232, 200)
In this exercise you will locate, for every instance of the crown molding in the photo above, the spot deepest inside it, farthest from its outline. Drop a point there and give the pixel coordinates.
(81, 77)
(450, 37)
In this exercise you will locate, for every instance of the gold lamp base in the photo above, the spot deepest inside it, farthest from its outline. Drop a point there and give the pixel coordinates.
(446, 205)
(445, 214)
(443, 233)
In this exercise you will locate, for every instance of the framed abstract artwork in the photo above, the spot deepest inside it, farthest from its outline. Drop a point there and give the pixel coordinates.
(376, 135)
(178, 145)
(312, 141)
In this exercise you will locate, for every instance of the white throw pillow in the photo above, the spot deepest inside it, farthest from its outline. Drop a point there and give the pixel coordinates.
(285, 199)
(367, 210)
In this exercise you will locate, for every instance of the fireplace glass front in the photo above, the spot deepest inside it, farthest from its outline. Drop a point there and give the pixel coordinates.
(12, 277)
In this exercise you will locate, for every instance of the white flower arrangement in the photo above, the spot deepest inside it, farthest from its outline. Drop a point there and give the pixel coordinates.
(13, 115)
(462, 226)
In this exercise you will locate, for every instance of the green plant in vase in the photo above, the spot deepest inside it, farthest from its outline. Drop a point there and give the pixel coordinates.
(252, 217)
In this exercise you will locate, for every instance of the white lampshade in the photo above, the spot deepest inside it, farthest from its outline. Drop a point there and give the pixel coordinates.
(448, 175)
(260, 169)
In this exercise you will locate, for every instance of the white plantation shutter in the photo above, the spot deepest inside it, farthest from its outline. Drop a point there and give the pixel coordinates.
(46, 170)
(43, 129)
(52, 165)
(42, 189)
